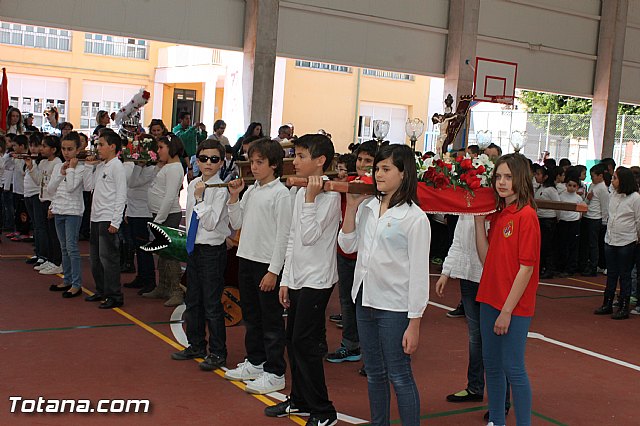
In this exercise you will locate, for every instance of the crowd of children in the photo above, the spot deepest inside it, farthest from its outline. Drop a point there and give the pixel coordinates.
(297, 244)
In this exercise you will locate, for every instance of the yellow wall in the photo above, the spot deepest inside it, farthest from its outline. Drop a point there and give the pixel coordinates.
(315, 99)
(167, 99)
(77, 66)
(219, 98)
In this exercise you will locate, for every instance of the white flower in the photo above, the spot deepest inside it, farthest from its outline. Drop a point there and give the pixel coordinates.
(428, 162)
(135, 143)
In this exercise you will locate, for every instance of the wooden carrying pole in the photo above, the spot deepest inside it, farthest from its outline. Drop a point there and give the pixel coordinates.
(365, 188)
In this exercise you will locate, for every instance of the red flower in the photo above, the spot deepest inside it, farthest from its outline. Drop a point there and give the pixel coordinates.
(448, 166)
(466, 164)
(459, 159)
(146, 95)
(474, 184)
(481, 169)
(440, 163)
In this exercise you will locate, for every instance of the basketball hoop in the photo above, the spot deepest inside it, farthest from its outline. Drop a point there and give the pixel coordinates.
(495, 81)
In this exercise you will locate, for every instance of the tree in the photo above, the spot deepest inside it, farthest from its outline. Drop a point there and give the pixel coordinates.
(573, 108)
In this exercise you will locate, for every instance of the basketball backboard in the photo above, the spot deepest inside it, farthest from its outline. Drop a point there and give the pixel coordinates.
(495, 81)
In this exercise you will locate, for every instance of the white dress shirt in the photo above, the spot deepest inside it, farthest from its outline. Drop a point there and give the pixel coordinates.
(547, 193)
(462, 261)
(311, 259)
(264, 214)
(624, 219)
(213, 217)
(18, 176)
(67, 190)
(569, 197)
(41, 173)
(164, 191)
(138, 181)
(393, 257)
(109, 193)
(598, 206)
(30, 187)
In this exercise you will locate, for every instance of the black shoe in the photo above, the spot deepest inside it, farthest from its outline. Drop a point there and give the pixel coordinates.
(589, 273)
(546, 275)
(623, 310)
(136, 283)
(69, 295)
(188, 353)
(607, 306)
(285, 408)
(464, 396)
(95, 298)
(211, 362)
(362, 372)
(110, 303)
(322, 420)
(486, 415)
(148, 288)
(56, 288)
(32, 260)
(335, 318)
(458, 312)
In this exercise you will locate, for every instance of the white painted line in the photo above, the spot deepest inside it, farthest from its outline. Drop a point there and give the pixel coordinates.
(181, 337)
(572, 287)
(176, 329)
(584, 351)
(534, 335)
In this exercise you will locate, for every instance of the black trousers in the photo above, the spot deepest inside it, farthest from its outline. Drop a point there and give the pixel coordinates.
(547, 246)
(104, 252)
(306, 347)
(264, 338)
(568, 238)
(86, 216)
(595, 242)
(54, 253)
(205, 283)
(22, 219)
(139, 234)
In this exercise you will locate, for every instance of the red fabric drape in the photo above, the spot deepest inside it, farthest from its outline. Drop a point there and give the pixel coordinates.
(4, 100)
(456, 201)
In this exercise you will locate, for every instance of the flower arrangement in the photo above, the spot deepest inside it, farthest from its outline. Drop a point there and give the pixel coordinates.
(459, 172)
(140, 149)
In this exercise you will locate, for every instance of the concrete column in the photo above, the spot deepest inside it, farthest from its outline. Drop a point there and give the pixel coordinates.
(461, 46)
(606, 85)
(209, 102)
(260, 43)
(157, 98)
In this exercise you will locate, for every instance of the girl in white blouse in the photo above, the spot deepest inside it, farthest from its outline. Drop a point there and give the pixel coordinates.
(391, 281)
(621, 240)
(67, 205)
(164, 206)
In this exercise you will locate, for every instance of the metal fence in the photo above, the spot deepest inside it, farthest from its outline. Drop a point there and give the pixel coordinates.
(562, 135)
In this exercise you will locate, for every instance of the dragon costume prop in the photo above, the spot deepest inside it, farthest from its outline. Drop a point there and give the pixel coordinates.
(172, 243)
(167, 242)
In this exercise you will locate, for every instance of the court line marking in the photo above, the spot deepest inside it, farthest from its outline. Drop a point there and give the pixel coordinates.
(539, 336)
(571, 287)
(588, 282)
(179, 347)
(180, 336)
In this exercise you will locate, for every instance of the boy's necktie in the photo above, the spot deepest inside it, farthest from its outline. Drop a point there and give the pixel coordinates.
(193, 230)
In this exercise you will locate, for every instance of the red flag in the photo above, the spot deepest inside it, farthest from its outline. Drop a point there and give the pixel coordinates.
(4, 100)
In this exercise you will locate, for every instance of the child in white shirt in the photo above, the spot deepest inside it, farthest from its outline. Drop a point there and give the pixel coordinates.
(310, 272)
(391, 284)
(569, 230)
(207, 230)
(264, 214)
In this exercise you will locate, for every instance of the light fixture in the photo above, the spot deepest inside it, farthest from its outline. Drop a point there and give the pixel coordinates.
(380, 130)
(414, 128)
(518, 140)
(483, 139)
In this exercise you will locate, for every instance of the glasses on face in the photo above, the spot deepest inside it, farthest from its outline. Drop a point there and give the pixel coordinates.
(204, 158)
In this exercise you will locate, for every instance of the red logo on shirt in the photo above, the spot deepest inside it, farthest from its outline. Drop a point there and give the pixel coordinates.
(508, 230)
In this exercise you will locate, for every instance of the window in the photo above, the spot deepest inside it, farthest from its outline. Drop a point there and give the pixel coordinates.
(33, 36)
(323, 66)
(107, 45)
(388, 74)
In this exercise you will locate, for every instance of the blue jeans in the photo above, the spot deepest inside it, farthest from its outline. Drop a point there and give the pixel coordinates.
(475, 371)
(68, 230)
(620, 261)
(381, 335)
(504, 359)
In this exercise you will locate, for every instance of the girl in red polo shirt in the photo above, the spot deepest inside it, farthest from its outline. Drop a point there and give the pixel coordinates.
(507, 292)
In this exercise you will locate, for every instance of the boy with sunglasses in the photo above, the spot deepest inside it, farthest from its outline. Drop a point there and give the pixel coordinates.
(207, 230)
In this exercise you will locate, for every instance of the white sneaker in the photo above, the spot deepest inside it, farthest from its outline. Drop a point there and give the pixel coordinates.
(45, 265)
(266, 383)
(244, 371)
(636, 310)
(602, 271)
(55, 269)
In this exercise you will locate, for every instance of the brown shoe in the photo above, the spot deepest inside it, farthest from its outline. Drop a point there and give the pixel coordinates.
(175, 300)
